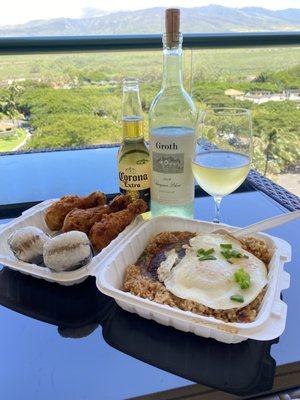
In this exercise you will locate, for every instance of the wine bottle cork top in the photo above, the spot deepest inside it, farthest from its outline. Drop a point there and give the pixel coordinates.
(172, 22)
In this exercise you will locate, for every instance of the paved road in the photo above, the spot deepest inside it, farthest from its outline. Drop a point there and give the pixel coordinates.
(22, 144)
(291, 182)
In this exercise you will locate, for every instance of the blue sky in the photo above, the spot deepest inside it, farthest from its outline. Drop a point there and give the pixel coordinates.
(20, 11)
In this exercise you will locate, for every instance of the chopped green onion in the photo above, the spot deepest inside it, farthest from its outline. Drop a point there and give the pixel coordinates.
(204, 252)
(228, 253)
(238, 298)
(226, 245)
(237, 254)
(204, 255)
(242, 278)
(209, 251)
(204, 258)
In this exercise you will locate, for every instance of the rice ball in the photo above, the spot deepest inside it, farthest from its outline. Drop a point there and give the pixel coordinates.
(67, 251)
(27, 244)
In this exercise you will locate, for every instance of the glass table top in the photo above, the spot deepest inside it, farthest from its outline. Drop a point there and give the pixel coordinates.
(74, 343)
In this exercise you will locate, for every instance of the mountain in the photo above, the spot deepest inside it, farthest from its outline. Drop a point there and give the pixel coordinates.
(212, 18)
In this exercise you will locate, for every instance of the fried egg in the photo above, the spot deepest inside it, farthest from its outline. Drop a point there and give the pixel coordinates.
(212, 282)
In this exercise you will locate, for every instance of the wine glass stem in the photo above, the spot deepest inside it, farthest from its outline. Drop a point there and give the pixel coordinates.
(218, 200)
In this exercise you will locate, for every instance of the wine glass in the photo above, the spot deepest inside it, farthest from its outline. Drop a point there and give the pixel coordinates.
(223, 153)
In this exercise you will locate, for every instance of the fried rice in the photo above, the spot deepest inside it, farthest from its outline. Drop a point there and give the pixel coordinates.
(144, 283)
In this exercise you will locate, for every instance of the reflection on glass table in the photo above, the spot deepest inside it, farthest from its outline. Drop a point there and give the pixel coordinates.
(78, 310)
(74, 309)
(244, 369)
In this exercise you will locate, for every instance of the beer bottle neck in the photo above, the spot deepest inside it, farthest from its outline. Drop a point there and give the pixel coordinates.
(133, 127)
(132, 115)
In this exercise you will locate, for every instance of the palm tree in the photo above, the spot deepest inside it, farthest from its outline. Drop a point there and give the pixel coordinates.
(272, 138)
(8, 104)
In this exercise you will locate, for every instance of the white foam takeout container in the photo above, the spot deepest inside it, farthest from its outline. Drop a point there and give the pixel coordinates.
(109, 268)
(271, 318)
(35, 216)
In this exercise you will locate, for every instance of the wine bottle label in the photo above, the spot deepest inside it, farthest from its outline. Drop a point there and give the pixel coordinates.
(172, 181)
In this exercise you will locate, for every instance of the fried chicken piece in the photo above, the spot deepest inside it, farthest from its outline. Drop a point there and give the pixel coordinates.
(120, 202)
(83, 220)
(103, 232)
(58, 210)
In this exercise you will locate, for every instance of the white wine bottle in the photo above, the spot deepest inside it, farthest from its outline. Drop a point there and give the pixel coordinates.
(133, 155)
(172, 122)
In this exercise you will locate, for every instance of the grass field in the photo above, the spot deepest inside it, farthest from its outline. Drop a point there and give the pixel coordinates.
(147, 65)
(9, 142)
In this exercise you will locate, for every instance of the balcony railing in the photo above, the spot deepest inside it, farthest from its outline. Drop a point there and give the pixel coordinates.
(55, 44)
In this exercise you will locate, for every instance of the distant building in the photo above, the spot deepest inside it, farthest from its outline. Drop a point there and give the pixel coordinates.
(263, 96)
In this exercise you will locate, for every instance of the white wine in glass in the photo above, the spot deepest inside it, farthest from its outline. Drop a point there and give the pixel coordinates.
(222, 165)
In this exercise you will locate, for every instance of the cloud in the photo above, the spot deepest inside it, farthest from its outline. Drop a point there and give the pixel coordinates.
(20, 11)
